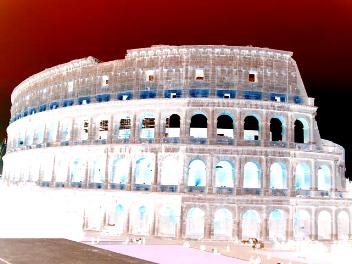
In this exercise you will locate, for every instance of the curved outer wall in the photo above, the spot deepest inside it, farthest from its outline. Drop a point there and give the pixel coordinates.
(108, 127)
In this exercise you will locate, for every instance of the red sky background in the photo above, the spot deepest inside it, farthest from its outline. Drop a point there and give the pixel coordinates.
(35, 35)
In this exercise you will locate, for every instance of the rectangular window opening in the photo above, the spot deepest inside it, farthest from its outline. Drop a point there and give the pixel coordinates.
(227, 96)
(148, 122)
(124, 97)
(70, 87)
(150, 76)
(105, 81)
(251, 77)
(173, 95)
(199, 74)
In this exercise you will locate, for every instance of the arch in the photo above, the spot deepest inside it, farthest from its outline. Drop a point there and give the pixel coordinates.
(198, 126)
(144, 171)
(324, 225)
(278, 176)
(29, 136)
(223, 223)
(47, 170)
(302, 176)
(140, 220)
(61, 169)
(195, 223)
(302, 225)
(170, 171)
(197, 173)
(167, 222)
(276, 130)
(78, 170)
(98, 171)
(66, 130)
(147, 127)
(301, 130)
(277, 225)
(251, 175)
(39, 131)
(251, 128)
(250, 224)
(124, 128)
(51, 131)
(224, 126)
(224, 174)
(119, 218)
(343, 225)
(324, 178)
(173, 126)
(120, 171)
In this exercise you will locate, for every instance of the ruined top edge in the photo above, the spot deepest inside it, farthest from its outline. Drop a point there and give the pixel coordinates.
(205, 49)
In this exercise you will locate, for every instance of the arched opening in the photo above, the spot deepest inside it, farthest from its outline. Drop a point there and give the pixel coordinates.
(195, 223)
(324, 225)
(39, 134)
(98, 171)
(224, 126)
(251, 175)
(47, 170)
(302, 225)
(224, 174)
(124, 128)
(66, 130)
(170, 171)
(198, 127)
(275, 129)
(51, 130)
(84, 128)
(119, 217)
(250, 224)
(302, 176)
(78, 171)
(277, 226)
(120, 171)
(324, 178)
(343, 225)
(103, 129)
(278, 176)
(167, 222)
(197, 173)
(251, 128)
(29, 136)
(144, 171)
(172, 126)
(140, 221)
(223, 224)
(61, 170)
(148, 126)
(301, 131)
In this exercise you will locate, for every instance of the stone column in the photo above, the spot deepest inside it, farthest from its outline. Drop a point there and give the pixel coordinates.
(210, 127)
(334, 227)
(314, 225)
(210, 174)
(107, 171)
(291, 178)
(264, 226)
(239, 186)
(265, 171)
(289, 223)
(314, 183)
(156, 172)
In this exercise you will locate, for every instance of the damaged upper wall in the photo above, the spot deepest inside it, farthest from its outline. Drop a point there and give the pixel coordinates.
(194, 71)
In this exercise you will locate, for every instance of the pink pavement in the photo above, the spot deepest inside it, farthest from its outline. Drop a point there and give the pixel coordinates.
(171, 254)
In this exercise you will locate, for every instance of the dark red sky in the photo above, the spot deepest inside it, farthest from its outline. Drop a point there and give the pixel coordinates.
(35, 35)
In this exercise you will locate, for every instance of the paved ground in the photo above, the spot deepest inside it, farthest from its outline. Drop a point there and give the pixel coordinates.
(172, 254)
(58, 251)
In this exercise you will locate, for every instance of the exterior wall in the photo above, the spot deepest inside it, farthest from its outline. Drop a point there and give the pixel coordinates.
(65, 132)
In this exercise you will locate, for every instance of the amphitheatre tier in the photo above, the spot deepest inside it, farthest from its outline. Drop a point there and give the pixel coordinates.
(194, 142)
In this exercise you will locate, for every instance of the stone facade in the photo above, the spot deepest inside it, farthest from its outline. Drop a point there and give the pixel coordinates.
(218, 142)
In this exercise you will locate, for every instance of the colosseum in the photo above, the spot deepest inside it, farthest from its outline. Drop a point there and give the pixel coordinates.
(182, 142)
